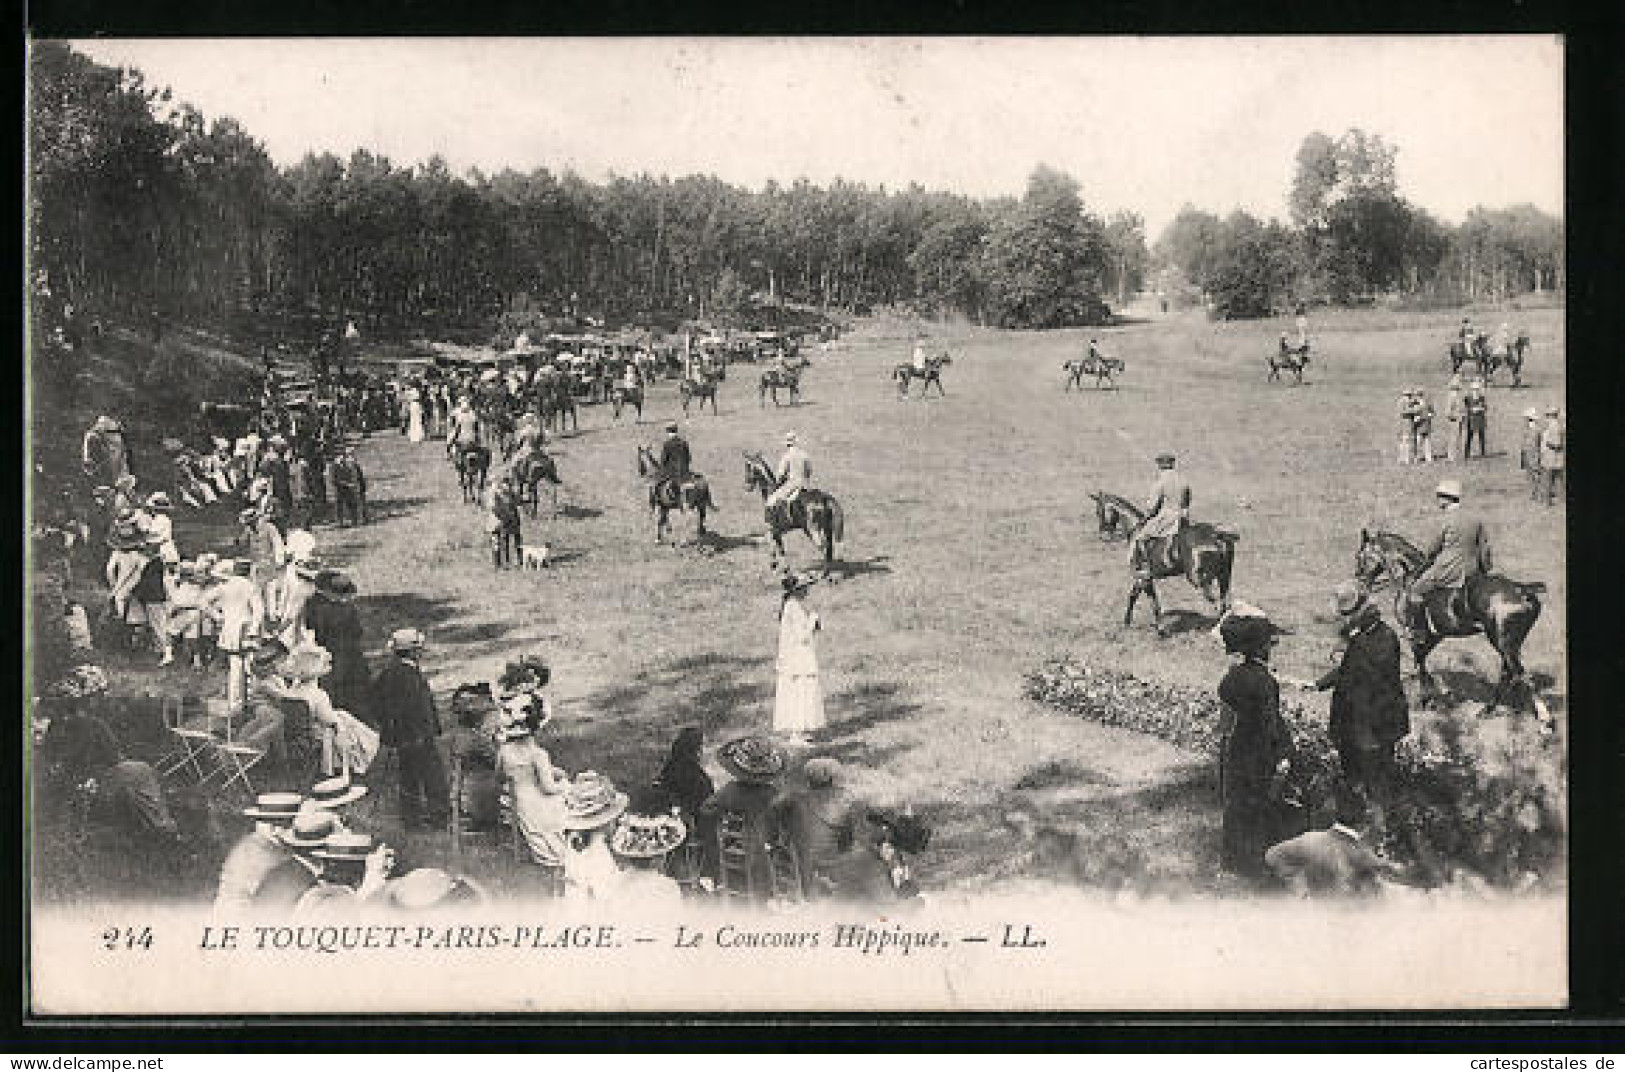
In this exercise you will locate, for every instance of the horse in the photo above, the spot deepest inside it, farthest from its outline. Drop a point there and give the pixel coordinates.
(1514, 358)
(812, 512)
(1503, 610)
(558, 402)
(775, 378)
(623, 395)
(1474, 348)
(1293, 359)
(668, 495)
(529, 471)
(932, 374)
(473, 462)
(700, 390)
(1103, 369)
(1203, 554)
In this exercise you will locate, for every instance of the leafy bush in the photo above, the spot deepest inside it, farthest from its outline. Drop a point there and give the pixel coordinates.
(1480, 794)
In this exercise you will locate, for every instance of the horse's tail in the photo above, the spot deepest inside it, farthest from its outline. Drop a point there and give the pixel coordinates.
(837, 520)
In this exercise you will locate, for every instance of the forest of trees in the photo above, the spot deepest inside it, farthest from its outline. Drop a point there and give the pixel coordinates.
(140, 204)
(1353, 238)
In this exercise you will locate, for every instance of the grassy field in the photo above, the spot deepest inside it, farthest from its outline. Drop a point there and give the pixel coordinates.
(970, 555)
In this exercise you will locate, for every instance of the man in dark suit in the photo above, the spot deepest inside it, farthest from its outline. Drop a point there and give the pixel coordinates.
(1369, 711)
(674, 455)
(408, 723)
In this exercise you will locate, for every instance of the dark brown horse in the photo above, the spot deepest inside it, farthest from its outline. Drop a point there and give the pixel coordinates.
(1203, 554)
(1103, 369)
(473, 462)
(622, 395)
(815, 513)
(530, 471)
(667, 495)
(1293, 359)
(701, 389)
(906, 373)
(1501, 609)
(775, 378)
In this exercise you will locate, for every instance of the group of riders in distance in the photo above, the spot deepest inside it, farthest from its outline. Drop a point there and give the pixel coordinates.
(1442, 590)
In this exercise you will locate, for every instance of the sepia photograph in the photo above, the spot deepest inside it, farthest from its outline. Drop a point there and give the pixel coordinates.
(773, 524)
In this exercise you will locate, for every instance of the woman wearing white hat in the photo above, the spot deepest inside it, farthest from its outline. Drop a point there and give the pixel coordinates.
(592, 805)
(798, 701)
(349, 745)
(536, 786)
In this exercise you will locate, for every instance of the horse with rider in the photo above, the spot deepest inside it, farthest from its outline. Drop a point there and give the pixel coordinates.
(673, 483)
(790, 503)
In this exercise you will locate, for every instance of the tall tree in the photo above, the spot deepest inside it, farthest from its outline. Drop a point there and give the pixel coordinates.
(1045, 262)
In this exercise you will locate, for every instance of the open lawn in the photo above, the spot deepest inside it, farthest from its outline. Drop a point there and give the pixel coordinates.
(970, 556)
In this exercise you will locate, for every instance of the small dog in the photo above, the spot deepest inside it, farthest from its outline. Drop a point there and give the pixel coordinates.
(533, 557)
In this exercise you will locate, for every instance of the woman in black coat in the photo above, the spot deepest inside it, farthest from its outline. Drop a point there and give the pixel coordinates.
(1254, 749)
(332, 618)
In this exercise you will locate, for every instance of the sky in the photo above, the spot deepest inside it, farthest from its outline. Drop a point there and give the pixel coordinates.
(1144, 124)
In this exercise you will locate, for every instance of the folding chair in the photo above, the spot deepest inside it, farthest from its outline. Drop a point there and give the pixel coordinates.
(784, 871)
(233, 760)
(191, 743)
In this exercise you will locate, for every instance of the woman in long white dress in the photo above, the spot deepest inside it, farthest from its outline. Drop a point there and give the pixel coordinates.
(348, 744)
(414, 411)
(798, 704)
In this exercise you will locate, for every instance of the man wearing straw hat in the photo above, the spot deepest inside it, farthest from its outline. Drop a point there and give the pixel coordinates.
(258, 853)
(241, 611)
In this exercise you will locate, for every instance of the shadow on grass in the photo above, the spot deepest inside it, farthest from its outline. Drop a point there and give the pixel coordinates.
(578, 513)
(720, 544)
(846, 568)
(388, 509)
(1176, 621)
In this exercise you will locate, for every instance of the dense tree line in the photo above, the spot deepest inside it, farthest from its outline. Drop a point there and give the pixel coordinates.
(140, 204)
(1352, 238)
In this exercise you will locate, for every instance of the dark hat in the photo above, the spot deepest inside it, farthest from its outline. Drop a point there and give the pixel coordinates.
(672, 427)
(268, 654)
(335, 585)
(752, 759)
(1246, 633)
(1165, 459)
(794, 581)
(126, 535)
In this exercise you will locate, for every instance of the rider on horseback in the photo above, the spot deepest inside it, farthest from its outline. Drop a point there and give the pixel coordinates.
(1167, 509)
(794, 471)
(1460, 551)
(674, 457)
(465, 426)
(919, 354)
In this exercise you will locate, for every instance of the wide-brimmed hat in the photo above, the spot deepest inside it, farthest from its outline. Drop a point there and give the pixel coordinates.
(672, 427)
(300, 543)
(126, 535)
(641, 838)
(522, 714)
(309, 568)
(1449, 488)
(106, 424)
(335, 585)
(406, 640)
(752, 759)
(336, 792)
(159, 500)
(275, 807)
(1531, 414)
(309, 829)
(268, 655)
(592, 801)
(346, 845)
(248, 516)
(1350, 597)
(1243, 633)
(427, 887)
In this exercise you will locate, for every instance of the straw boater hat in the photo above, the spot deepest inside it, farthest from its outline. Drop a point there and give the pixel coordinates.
(126, 535)
(159, 501)
(336, 792)
(752, 759)
(346, 845)
(428, 887)
(275, 807)
(309, 568)
(1448, 489)
(309, 829)
(638, 838)
(1531, 414)
(592, 801)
